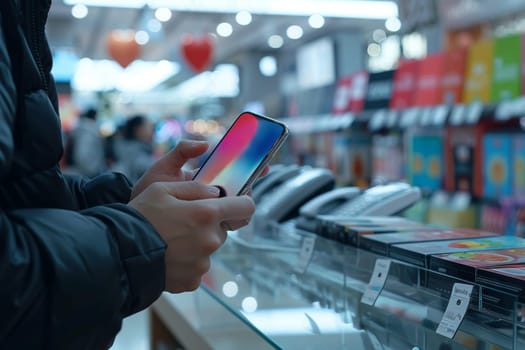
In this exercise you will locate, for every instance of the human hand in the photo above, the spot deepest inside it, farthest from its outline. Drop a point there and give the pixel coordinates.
(169, 167)
(192, 220)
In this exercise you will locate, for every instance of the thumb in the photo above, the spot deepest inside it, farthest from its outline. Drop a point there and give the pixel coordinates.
(185, 150)
(190, 190)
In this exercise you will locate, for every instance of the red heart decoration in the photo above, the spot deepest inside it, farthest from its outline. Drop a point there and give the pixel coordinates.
(122, 47)
(197, 52)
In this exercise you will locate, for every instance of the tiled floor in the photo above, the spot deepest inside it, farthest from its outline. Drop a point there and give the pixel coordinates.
(134, 334)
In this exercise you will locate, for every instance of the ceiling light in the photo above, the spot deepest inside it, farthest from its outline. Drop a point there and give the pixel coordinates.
(154, 25)
(294, 32)
(327, 8)
(374, 49)
(268, 66)
(142, 37)
(224, 29)
(79, 11)
(163, 14)
(275, 41)
(379, 35)
(316, 21)
(393, 24)
(243, 18)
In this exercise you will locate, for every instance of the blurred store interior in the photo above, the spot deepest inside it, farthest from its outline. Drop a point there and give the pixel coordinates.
(426, 92)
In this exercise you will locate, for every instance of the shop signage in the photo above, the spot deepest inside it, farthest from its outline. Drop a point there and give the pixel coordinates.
(350, 93)
(404, 84)
(506, 79)
(453, 77)
(379, 90)
(478, 79)
(427, 92)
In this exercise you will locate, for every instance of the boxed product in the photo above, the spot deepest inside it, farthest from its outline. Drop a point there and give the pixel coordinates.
(348, 230)
(518, 166)
(507, 277)
(479, 72)
(426, 161)
(419, 253)
(506, 79)
(381, 243)
(497, 168)
(464, 264)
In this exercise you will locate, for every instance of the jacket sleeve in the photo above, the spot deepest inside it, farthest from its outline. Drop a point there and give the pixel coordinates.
(103, 189)
(69, 278)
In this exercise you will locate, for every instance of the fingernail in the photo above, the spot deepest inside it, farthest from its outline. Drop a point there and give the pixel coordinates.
(214, 190)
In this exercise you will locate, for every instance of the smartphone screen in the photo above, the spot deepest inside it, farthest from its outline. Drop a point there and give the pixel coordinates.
(242, 153)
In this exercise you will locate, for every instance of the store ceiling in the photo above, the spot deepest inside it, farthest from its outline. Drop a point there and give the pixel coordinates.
(87, 36)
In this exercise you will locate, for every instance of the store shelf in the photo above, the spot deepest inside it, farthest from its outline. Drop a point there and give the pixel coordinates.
(320, 307)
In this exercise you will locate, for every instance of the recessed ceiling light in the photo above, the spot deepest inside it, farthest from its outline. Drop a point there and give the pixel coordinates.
(316, 21)
(379, 35)
(374, 49)
(268, 66)
(154, 25)
(294, 32)
(142, 37)
(224, 29)
(243, 18)
(275, 41)
(79, 11)
(393, 24)
(163, 14)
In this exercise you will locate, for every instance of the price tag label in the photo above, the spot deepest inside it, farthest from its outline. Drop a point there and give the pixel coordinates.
(426, 117)
(457, 116)
(456, 309)
(474, 113)
(305, 255)
(377, 281)
(504, 110)
(440, 115)
(391, 118)
(409, 117)
(378, 120)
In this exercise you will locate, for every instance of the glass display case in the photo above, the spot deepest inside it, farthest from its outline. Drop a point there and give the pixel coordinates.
(290, 289)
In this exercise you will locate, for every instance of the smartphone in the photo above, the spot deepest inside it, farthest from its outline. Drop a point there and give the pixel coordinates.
(242, 153)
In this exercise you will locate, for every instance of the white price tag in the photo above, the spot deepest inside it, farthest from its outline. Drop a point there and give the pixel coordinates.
(378, 120)
(440, 115)
(391, 118)
(377, 281)
(474, 112)
(456, 309)
(458, 115)
(426, 117)
(306, 253)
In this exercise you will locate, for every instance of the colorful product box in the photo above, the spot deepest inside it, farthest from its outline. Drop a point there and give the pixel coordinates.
(405, 79)
(426, 162)
(381, 243)
(518, 166)
(478, 78)
(464, 264)
(427, 92)
(419, 253)
(506, 277)
(506, 78)
(453, 79)
(497, 166)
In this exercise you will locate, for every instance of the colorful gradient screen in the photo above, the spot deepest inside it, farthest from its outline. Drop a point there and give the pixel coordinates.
(240, 152)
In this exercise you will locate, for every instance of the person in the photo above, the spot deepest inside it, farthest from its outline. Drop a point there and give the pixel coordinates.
(87, 150)
(77, 255)
(135, 151)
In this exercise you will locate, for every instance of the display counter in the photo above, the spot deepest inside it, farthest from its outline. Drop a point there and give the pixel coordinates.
(290, 289)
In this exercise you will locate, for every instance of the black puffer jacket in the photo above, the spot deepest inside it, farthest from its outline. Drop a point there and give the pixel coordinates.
(74, 260)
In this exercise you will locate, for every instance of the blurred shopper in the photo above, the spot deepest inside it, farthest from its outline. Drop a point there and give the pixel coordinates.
(135, 151)
(86, 146)
(79, 255)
